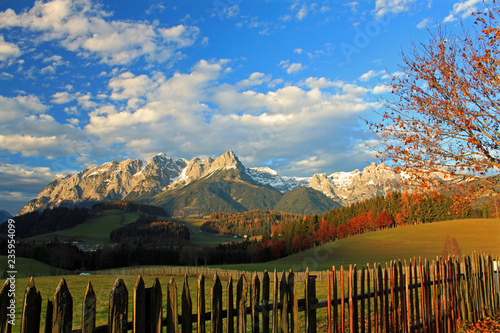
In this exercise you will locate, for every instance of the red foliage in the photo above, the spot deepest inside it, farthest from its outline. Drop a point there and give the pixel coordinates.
(297, 243)
(277, 249)
(384, 220)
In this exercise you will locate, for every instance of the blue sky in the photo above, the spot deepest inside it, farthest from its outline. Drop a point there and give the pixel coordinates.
(283, 84)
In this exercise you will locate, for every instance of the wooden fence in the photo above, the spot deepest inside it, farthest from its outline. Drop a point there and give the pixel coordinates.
(196, 271)
(400, 297)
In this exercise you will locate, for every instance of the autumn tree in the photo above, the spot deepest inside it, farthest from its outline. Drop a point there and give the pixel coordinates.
(451, 247)
(443, 117)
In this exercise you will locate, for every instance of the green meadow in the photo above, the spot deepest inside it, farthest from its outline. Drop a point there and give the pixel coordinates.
(92, 231)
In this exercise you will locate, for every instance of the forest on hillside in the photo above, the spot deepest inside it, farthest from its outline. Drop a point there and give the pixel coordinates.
(285, 234)
(149, 242)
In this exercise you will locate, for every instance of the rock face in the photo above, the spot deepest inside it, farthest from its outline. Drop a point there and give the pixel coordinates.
(110, 181)
(344, 188)
(196, 168)
(163, 177)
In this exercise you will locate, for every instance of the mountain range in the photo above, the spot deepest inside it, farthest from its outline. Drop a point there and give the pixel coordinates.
(4, 216)
(201, 186)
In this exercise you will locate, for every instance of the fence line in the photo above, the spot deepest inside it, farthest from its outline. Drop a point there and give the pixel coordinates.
(414, 297)
(196, 271)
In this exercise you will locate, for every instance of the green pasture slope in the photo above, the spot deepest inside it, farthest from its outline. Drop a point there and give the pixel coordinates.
(97, 230)
(201, 238)
(29, 267)
(423, 240)
(92, 231)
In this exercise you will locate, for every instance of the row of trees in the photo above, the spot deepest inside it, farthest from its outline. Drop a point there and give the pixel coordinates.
(155, 233)
(395, 209)
(252, 223)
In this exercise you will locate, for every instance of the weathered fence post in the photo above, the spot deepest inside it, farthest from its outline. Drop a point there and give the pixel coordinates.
(310, 298)
(241, 300)
(30, 320)
(275, 302)
(89, 310)
(139, 307)
(335, 300)
(118, 308)
(362, 308)
(5, 303)
(172, 319)
(201, 304)
(353, 300)
(284, 303)
(254, 302)
(63, 309)
(230, 305)
(187, 307)
(216, 314)
(294, 302)
(265, 302)
(156, 309)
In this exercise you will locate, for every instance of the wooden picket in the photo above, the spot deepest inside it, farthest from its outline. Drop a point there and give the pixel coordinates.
(418, 296)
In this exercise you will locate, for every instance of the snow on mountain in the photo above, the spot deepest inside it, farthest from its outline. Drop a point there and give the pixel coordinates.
(343, 187)
(131, 179)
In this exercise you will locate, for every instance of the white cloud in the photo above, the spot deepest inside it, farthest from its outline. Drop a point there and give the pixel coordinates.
(370, 75)
(462, 10)
(302, 13)
(314, 82)
(255, 79)
(127, 85)
(27, 145)
(62, 97)
(182, 35)
(383, 7)
(291, 68)
(86, 102)
(353, 5)
(20, 183)
(15, 108)
(424, 23)
(382, 89)
(83, 27)
(8, 50)
(192, 113)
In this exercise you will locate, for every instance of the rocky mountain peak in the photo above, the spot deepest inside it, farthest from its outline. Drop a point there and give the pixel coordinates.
(227, 160)
(138, 179)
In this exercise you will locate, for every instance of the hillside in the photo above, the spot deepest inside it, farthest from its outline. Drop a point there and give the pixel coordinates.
(95, 230)
(224, 191)
(4, 216)
(305, 201)
(422, 240)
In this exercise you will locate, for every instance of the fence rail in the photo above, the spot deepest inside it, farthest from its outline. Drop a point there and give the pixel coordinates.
(400, 297)
(196, 271)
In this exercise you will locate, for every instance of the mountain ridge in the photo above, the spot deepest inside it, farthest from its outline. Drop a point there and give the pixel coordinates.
(199, 186)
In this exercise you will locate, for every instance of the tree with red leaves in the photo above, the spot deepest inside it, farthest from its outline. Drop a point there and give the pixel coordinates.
(445, 114)
(277, 249)
(384, 220)
(297, 243)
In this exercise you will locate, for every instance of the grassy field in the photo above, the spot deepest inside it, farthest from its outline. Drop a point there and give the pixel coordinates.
(423, 240)
(102, 285)
(97, 230)
(92, 231)
(201, 238)
(28, 267)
